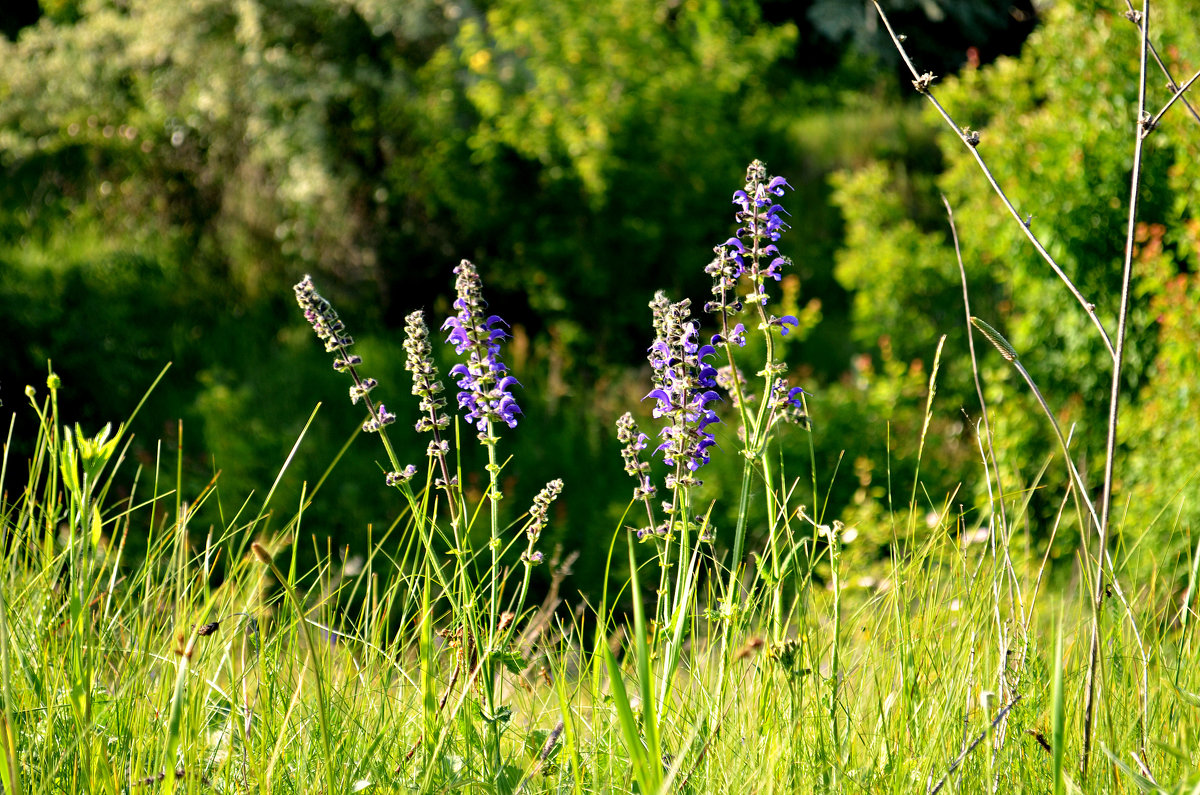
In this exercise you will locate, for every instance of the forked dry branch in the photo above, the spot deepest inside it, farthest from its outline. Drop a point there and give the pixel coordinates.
(1144, 124)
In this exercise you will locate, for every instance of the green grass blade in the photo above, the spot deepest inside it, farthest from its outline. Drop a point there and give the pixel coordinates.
(1057, 739)
(645, 681)
(629, 729)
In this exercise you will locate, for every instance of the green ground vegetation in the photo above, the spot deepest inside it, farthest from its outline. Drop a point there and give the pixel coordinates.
(902, 589)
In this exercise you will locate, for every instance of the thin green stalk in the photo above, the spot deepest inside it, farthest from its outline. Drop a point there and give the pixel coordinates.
(1058, 713)
(1110, 451)
(730, 612)
(773, 537)
(679, 617)
(494, 540)
(487, 658)
(835, 673)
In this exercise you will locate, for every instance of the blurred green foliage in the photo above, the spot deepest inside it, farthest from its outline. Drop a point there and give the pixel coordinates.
(169, 169)
(1057, 128)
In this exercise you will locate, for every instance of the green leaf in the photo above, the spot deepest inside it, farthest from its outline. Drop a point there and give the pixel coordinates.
(502, 715)
(629, 732)
(1191, 699)
(645, 681)
(1058, 742)
(511, 660)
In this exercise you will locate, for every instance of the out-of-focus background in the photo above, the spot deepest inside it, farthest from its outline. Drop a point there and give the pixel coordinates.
(169, 168)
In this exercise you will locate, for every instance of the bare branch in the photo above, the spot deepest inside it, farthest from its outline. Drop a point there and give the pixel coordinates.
(1177, 95)
(1136, 18)
(1115, 393)
(970, 139)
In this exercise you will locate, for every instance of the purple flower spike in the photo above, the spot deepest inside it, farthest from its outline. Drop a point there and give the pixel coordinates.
(761, 223)
(684, 383)
(760, 215)
(483, 381)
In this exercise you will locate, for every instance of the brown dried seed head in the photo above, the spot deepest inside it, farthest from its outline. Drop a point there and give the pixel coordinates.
(260, 552)
(752, 645)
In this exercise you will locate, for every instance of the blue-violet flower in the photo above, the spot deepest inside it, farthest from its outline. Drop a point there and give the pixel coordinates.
(684, 384)
(483, 381)
(760, 221)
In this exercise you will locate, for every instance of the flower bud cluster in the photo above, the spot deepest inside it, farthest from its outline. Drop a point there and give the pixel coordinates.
(538, 516)
(380, 419)
(539, 511)
(726, 268)
(397, 478)
(362, 389)
(426, 383)
(329, 329)
(324, 320)
(633, 443)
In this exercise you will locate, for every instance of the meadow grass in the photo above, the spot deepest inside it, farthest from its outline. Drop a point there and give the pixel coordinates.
(123, 674)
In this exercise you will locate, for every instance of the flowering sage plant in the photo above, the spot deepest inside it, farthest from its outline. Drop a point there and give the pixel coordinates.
(329, 328)
(485, 398)
(688, 381)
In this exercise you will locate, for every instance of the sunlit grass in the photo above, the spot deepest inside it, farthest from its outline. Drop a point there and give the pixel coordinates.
(207, 665)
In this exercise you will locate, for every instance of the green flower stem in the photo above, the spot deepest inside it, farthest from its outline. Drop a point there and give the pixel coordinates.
(494, 541)
(835, 560)
(773, 540)
(683, 497)
(485, 659)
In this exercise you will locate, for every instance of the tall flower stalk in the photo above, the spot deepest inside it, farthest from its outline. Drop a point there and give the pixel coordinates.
(484, 396)
(751, 256)
(427, 386)
(684, 387)
(483, 392)
(686, 384)
(331, 330)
